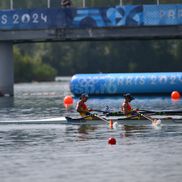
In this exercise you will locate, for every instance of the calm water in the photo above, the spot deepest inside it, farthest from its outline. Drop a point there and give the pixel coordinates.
(44, 153)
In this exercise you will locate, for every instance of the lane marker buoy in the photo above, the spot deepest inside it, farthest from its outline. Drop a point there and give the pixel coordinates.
(112, 141)
(68, 101)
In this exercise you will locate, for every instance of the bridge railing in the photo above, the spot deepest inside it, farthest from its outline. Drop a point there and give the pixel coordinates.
(15, 4)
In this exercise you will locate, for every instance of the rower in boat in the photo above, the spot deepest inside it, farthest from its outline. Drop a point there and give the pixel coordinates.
(126, 108)
(82, 108)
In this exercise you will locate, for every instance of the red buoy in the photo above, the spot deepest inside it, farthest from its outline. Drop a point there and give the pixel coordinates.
(175, 95)
(112, 141)
(68, 101)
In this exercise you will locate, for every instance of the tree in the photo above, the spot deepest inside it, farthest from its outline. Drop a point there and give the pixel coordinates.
(28, 69)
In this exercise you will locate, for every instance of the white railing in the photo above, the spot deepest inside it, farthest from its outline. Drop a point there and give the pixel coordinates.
(83, 2)
(11, 4)
(120, 2)
(48, 3)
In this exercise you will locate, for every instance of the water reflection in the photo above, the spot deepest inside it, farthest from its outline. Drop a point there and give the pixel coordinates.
(131, 130)
(81, 133)
(17, 138)
(6, 102)
(85, 129)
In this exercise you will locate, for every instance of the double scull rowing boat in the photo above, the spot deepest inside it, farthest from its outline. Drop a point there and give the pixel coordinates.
(104, 119)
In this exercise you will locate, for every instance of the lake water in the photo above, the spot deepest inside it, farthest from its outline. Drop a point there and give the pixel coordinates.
(44, 153)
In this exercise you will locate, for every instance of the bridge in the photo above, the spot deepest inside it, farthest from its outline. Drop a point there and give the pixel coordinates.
(83, 24)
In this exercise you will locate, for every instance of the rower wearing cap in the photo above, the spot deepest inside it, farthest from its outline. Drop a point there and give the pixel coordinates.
(81, 107)
(126, 107)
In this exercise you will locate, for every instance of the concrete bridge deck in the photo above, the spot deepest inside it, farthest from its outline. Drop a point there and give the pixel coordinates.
(93, 34)
(109, 23)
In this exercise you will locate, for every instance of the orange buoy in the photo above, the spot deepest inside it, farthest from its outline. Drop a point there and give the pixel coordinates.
(175, 95)
(111, 124)
(68, 101)
(112, 141)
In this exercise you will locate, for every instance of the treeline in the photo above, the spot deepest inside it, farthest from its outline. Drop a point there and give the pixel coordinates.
(44, 61)
(116, 56)
(29, 65)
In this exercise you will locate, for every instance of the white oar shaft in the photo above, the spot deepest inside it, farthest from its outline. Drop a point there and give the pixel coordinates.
(149, 118)
(101, 118)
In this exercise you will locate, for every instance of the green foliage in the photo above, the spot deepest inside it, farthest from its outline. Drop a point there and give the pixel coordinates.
(43, 72)
(29, 69)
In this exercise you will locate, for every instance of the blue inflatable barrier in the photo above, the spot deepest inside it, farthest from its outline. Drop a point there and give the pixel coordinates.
(118, 83)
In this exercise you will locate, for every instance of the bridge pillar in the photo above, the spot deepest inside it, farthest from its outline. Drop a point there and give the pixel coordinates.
(6, 69)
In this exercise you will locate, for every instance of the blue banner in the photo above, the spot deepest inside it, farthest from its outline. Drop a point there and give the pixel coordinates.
(32, 19)
(162, 15)
(119, 83)
(70, 18)
(130, 15)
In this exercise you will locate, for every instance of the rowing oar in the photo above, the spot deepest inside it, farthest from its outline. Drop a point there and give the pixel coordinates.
(162, 111)
(110, 122)
(117, 113)
(154, 121)
(99, 117)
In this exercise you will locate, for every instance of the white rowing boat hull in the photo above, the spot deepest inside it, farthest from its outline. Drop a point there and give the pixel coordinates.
(120, 120)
